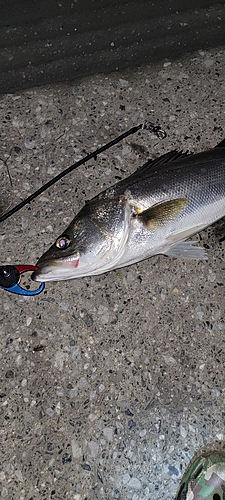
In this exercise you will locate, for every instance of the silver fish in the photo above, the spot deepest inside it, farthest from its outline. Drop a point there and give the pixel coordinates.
(151, 212)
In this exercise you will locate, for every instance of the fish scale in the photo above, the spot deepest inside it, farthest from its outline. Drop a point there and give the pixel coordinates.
(154, 211)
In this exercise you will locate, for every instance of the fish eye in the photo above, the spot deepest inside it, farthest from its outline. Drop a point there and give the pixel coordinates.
(63, 242)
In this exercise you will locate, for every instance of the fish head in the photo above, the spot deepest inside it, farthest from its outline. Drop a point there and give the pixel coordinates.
(92, 244)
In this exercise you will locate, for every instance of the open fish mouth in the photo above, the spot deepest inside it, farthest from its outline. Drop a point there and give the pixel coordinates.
(55, 270)
(154, 211)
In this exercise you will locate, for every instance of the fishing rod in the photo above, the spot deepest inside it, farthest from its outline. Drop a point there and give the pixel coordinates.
(156, 129)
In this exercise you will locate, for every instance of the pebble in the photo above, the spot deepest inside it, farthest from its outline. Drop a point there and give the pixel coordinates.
(108, 433)
(74, 392)
(172, 471)
(134, 483)
(126, 478)
(29, 144)
(94, 448)
(49, 412)
(18, 474)
(76, 449)
(64, 305)
(60, 359)
(183, 431)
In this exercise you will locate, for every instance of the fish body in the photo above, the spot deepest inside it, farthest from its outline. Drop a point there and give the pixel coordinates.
(151, 212)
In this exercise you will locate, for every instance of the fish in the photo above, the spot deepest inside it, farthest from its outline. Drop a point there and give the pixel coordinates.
(153, 211)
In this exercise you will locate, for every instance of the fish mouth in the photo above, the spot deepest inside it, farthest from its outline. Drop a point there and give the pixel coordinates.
(55, 270)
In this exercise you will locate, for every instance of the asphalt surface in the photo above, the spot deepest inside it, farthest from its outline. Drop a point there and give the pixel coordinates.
(48, 42)
(109, 384)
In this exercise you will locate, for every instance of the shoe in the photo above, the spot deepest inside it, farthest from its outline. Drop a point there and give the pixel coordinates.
(204, 479)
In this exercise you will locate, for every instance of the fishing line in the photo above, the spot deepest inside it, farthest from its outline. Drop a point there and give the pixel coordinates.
(144, 126)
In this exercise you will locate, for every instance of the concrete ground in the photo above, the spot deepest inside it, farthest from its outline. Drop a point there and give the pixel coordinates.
(109, 384)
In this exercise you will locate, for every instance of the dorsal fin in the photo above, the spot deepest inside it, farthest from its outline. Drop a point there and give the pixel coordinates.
(158, 162)
(144, 170)
(221, 144)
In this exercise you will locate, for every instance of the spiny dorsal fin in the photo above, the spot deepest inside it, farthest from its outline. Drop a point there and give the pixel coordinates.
(161, 214)
(162, 160)
(158, 162)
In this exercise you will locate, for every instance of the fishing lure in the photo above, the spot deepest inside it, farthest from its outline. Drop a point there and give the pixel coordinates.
(10, 279)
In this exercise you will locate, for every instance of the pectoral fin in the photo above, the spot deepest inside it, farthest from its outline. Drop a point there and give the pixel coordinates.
(161, 214)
